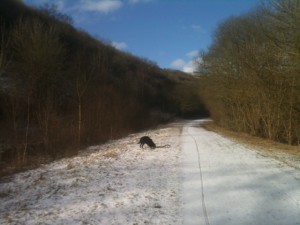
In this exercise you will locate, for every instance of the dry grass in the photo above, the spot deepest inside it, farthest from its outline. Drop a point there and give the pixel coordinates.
(72, 165)
(112, 153)
(282, 152)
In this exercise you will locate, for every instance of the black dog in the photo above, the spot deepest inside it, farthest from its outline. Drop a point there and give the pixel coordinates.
(147, 140)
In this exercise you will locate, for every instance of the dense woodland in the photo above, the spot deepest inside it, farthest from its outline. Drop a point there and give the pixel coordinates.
(250, 76)
(62, 89)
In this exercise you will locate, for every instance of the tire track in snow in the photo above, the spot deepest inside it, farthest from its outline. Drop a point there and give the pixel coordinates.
(241, 186)
(201, 179)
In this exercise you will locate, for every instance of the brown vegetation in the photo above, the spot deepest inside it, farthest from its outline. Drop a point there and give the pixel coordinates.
(250, 76)
(282, 152)
(61, 89)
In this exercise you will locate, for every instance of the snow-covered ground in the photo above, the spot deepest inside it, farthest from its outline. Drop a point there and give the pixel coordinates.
(116, 183)
(203, 178)
(225, 183)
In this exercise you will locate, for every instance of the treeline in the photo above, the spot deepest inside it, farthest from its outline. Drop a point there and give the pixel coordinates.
(250, 76)
(61, 89)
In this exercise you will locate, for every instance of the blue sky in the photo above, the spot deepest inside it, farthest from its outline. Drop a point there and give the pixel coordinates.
(168, 32)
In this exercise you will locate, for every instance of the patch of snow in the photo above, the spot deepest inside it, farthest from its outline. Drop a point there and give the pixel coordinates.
(115, 183)
(226, 183)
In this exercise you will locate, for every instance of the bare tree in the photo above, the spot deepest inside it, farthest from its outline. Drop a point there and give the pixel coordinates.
(3, 49)
(38, 57)
(85, 67)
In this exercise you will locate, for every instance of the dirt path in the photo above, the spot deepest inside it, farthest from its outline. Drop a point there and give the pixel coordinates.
(226, 183)
(202, 178)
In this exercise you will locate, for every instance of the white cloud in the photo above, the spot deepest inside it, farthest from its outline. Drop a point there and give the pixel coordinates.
(178, 63)
(188, 66)
(193, 54)
(103, 6)
(119, 45)
(139, 1)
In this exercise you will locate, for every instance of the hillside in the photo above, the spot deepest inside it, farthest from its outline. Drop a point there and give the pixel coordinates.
(62, 89)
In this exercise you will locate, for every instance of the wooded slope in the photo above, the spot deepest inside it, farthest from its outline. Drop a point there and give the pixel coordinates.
(61, 89)
(250, 76)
